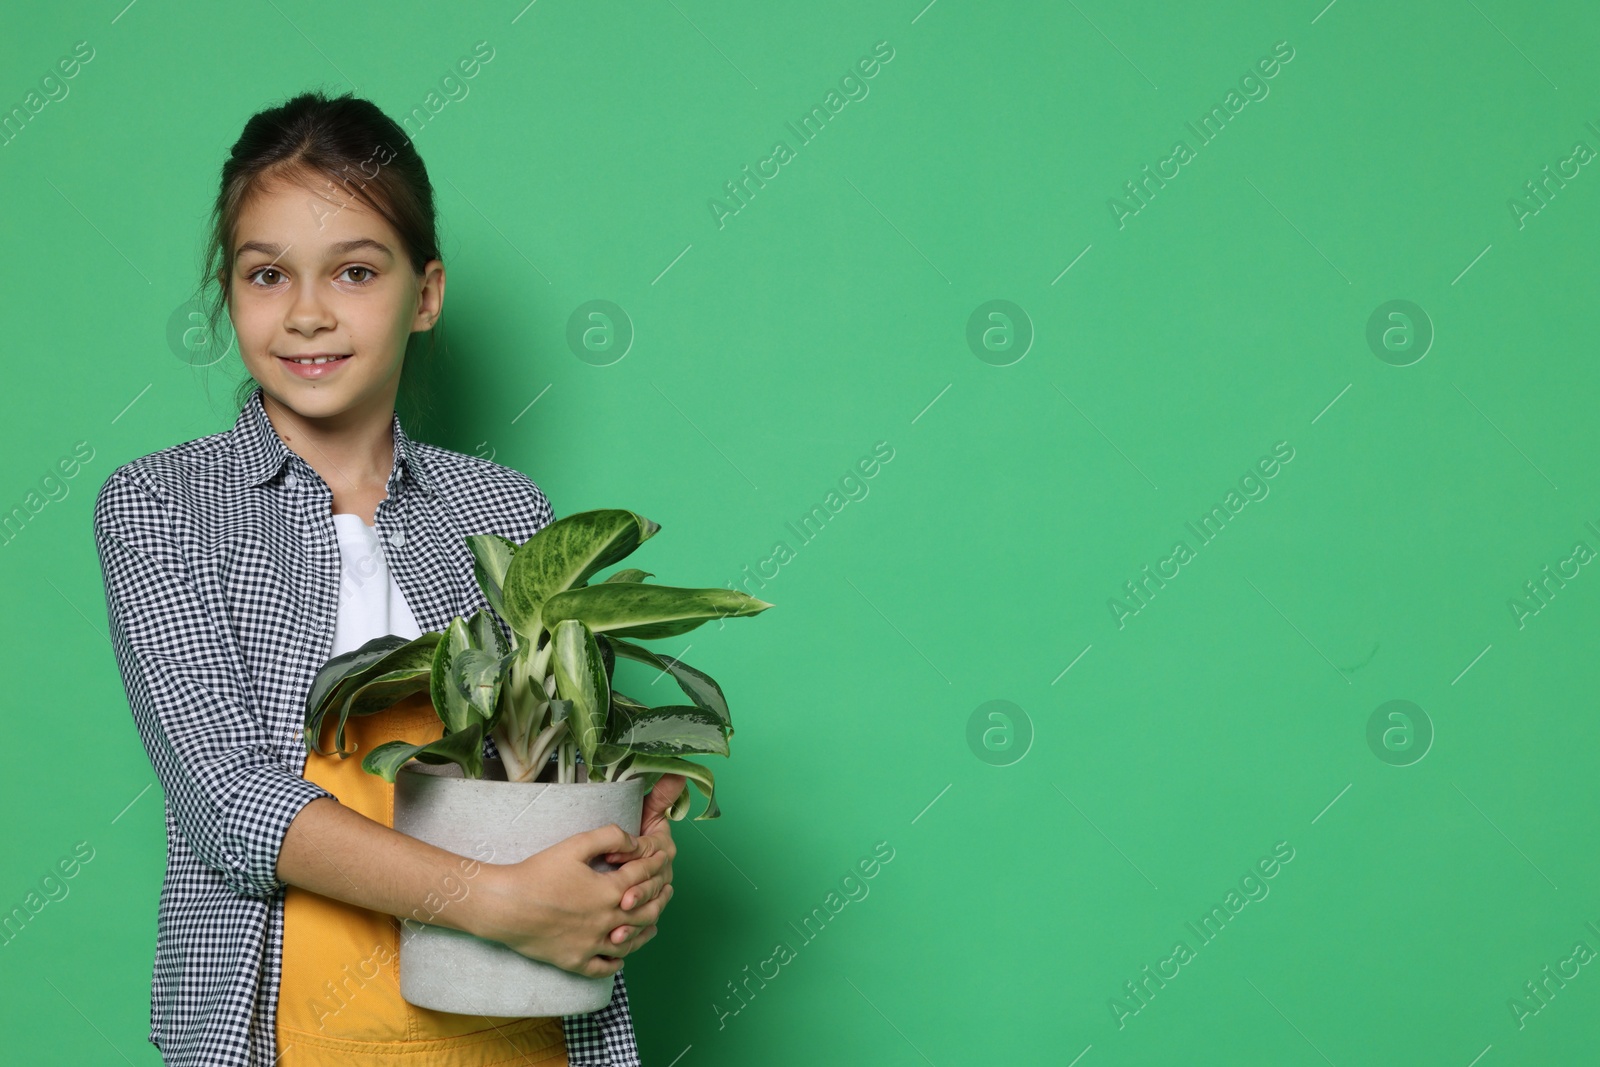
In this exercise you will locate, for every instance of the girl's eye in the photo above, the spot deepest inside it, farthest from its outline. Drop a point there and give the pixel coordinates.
(259, 276)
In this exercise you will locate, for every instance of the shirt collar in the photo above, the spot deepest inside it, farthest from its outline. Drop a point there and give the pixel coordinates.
(261, 452)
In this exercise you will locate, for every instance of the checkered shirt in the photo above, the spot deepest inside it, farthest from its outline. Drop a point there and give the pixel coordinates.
(222, 575)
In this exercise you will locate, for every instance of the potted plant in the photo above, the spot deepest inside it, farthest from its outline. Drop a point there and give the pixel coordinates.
(534, 672)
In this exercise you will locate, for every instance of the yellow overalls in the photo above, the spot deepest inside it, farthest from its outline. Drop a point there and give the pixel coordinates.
(339, 1001)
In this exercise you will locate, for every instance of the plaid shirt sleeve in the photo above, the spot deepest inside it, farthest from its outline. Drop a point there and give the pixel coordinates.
(230, 794)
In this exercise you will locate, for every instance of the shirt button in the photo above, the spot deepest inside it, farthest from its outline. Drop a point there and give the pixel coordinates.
(291, 481)
(397, 538)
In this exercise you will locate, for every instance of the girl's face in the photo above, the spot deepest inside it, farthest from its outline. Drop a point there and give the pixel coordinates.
(320, 274)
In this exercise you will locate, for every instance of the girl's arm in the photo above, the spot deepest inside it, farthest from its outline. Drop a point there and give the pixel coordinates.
(228, 790)
(551, 906)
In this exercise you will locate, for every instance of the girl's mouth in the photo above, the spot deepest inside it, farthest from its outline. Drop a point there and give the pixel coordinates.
(314, 366)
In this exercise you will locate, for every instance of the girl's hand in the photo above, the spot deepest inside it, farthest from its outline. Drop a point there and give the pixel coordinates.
(554, 907)
(655, 836)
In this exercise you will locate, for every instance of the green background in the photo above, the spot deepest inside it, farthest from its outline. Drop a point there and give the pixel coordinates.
(1040, 866)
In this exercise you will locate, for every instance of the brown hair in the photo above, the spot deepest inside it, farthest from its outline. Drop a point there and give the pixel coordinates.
(352, 145)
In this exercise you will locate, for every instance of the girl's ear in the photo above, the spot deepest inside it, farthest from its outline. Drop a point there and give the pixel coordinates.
(430, 296)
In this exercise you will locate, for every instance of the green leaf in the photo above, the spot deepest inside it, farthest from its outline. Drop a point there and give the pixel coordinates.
(381, 661)
(477, 675)
(486, 633)
(624, 709)
(385, 691)
(675, 731)
(491, 555)
(465, 749)
(630, 574)
(562, 555)
(696, 685)
(605, 754)
(343, 666)
(581, 679)
(448, 699)
(626, 702)
(629, 609)
(651, 768)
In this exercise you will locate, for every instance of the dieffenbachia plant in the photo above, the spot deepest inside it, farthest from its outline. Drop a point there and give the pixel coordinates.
(548, 689)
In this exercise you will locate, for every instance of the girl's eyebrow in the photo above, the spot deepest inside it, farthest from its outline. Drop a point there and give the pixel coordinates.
(269, 249)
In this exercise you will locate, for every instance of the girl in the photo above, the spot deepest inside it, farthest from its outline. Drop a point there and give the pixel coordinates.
(236, 564)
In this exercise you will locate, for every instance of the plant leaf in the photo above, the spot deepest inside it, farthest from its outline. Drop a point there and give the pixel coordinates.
(696, 685)
(624, 709)
(562, 555)
(343, 666)
(491, 555)
(675, 731)
(478, 675)
(605, 753)
(630, 574)
(486, 633)
(651, 768)
(465, 749)
(342, 677)
(627, 703)
(629, 609)
(448, 699)
(581, 679)
(375, 695)
(385, 691)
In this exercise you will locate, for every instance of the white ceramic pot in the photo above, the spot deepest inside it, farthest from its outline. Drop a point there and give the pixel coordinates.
(499, 822)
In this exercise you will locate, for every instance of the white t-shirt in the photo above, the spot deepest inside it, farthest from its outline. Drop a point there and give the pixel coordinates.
(370, 602)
